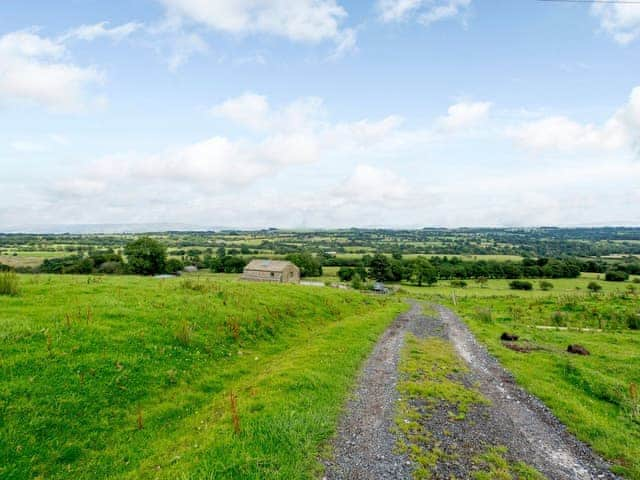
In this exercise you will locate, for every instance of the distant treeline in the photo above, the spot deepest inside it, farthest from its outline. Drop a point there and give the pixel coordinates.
(148, 257)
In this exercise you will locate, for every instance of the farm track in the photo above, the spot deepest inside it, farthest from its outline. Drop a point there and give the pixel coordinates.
(365, 446)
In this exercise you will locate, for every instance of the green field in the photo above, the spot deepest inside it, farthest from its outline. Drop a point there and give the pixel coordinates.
(596, 395)
(130, 377)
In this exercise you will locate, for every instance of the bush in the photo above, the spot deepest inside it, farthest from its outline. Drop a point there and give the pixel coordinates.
(636, 280)
(458, 283)
(594, 287)
(346, 274)
(521, 285)
(174, 265)
(616, 276)
(9, 283)
(546, 285)
(356, 282)
(633, 321)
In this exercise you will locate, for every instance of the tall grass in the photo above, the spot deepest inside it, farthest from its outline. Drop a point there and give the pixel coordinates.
(9, 283)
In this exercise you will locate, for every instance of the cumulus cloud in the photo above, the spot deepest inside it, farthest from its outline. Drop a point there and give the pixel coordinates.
(620, 131)
(425, 11)
(294, 134)
(464, 115)
(370, 184)
(102, 30)
(310, 21)
(36, 69)
(621, 21)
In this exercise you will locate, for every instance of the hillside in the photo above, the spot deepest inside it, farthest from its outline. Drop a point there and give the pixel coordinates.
(129, 377)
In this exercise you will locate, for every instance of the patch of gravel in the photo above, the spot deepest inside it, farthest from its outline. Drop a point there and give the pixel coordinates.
(364, 448)
(514, 419)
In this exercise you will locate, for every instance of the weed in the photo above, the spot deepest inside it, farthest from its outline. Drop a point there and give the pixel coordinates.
(233, 401)
(9, 283)
(484, 314)
(184, 333)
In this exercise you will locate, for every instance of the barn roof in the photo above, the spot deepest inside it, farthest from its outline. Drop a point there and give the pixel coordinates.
(268, 265)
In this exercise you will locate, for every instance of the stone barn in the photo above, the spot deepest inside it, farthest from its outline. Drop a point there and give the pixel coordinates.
(271, 271)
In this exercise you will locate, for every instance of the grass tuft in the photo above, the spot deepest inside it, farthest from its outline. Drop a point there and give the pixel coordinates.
(9, 283)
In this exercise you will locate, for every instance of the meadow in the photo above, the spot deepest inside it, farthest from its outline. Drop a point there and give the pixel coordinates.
(132, 377)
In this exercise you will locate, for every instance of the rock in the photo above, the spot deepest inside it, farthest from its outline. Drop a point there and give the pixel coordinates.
(509, 337)
(577, 349)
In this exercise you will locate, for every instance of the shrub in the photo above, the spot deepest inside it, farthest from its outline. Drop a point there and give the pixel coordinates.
(484, 314)
(521, 285)
(346, 274)
(636, 280)
(594, 287)
(9, 283)
(616, 276)
(633, 321)
(174, 265)
(458, 283)
(356, 282)
(546, 285)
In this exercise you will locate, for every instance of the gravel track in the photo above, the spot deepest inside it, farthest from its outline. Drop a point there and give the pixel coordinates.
(365, 441)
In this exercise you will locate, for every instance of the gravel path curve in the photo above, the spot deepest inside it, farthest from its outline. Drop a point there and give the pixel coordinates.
(364, 446)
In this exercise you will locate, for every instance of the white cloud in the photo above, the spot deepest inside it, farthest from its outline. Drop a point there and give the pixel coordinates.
(621, 131)
(249, 110)
(35, 69)
(101, 30)
(426, 11)
(183, 47)
(621, 21)
(369, 184)
(310, 21)
(465, 115)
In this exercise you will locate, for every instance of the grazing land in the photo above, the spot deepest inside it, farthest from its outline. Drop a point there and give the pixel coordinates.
(131, 377)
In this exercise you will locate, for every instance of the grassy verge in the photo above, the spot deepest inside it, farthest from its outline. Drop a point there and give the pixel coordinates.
(142, 378)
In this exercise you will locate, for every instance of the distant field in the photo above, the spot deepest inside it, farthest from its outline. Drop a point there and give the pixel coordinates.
(130, 377)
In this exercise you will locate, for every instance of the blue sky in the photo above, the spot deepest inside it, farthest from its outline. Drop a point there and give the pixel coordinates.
(319, 113)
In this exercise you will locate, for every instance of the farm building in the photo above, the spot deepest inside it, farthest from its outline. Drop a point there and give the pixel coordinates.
(271, 271)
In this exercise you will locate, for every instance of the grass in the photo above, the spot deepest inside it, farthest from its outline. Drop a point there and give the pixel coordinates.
(595, 396)
(134, 378)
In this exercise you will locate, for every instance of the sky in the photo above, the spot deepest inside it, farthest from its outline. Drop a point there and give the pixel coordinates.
(319, 113)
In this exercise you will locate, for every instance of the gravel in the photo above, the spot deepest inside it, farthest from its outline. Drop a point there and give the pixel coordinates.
(517, 419)
(364, 447)
(365, 443)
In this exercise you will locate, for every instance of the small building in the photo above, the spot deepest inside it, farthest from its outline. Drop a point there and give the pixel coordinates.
(271, 271)
(190, 269)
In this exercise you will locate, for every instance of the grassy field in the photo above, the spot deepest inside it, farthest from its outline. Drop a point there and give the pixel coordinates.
(596, 396)
(129, 377)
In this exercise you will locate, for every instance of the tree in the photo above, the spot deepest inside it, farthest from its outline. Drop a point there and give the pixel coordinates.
(380, 268)
(308, 264)
(424, 272)
(346, 273)
(482, 281)
(146, 256)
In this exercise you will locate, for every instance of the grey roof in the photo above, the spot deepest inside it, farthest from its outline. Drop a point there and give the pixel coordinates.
(268, 265)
